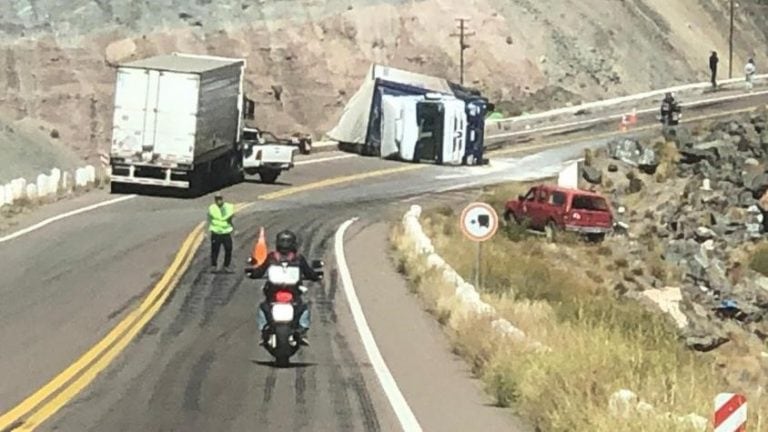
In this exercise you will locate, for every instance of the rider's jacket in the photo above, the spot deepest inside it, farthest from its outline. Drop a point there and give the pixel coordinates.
(293, 259)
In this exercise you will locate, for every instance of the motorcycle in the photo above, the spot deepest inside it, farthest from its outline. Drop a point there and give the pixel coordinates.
(281, 338)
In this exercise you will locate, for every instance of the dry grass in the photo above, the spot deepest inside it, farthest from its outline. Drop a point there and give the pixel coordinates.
(600, 343)
(759, 260)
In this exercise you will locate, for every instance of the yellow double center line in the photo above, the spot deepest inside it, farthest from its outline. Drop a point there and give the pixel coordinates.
(51, 397)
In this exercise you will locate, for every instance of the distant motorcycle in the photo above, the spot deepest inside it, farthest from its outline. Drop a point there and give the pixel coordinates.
(671, 111)
(280, 336)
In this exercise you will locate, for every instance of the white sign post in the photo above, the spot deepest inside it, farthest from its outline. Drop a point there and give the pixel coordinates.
(479, 222)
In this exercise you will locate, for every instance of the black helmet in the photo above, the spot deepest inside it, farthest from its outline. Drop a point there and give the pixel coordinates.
(286, 242)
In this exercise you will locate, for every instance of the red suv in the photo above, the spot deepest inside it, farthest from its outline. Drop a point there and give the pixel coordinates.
(552, 208)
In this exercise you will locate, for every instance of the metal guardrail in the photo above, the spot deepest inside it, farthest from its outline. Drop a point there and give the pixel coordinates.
(617, 101)
(612, 117)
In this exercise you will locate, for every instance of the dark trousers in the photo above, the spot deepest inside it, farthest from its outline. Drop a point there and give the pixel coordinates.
(217, 240)
(714, 77)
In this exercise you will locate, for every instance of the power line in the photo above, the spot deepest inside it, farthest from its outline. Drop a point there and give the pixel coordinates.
(462, 35)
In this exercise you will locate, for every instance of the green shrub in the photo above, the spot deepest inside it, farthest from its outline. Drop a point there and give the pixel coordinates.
(759, 261)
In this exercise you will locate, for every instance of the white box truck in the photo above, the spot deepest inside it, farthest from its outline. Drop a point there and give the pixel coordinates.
(178, 122)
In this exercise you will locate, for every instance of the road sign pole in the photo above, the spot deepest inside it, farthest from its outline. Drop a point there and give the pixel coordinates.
(478, 265)
(479, 222)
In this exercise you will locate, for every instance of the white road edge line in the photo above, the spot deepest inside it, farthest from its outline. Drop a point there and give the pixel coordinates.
(396, 399)
(48, 221)
(326, 159)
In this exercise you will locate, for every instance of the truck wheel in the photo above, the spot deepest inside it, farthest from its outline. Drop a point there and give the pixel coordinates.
(269, 176)
(200, 180)
(551, 231)
(509, 218)
(238, 177)
(596, 238)
(305, 147)
(237, 173)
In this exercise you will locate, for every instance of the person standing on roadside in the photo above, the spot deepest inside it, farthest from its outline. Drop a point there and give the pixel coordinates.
(220, 224)
(749, 72)
(713, 61)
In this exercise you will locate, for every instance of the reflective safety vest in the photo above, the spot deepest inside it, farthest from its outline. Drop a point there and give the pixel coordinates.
(218, 218)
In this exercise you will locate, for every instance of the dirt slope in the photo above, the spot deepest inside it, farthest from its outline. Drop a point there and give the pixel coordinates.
(305, 57)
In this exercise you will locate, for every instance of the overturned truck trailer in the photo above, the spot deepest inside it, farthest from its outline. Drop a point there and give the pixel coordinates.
(403, 115)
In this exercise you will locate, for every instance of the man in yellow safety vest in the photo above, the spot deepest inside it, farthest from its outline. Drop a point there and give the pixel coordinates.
(220, 224)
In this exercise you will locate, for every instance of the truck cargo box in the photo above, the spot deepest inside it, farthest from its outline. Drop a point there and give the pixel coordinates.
(177, 110)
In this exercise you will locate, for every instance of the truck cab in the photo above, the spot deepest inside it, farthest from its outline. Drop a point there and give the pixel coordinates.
(425, 128)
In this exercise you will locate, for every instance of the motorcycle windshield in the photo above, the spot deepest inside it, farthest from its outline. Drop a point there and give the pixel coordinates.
(279, 275)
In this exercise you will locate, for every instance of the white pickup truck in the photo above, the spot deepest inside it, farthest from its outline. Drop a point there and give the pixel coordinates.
(262, 157)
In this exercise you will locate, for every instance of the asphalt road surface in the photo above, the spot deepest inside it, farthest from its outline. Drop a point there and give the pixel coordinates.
(64, 286)
(197, 367)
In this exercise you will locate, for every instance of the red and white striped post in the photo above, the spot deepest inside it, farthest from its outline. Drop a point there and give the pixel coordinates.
(104, 159)
(730, 413)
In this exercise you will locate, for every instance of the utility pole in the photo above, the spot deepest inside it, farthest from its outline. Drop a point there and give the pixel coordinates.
(462, 35)
(730, 47)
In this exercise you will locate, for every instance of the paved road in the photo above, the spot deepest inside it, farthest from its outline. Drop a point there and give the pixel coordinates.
(63, 287)
(51, 313)
(198, 368)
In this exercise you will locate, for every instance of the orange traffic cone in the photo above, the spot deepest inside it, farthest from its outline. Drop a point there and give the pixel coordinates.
(259, 252)
(633, 117)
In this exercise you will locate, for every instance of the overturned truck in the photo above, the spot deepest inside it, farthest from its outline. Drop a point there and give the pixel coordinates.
(402, 115)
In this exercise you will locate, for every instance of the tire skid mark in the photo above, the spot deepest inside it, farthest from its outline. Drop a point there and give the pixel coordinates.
(194, 386)
(301, 419)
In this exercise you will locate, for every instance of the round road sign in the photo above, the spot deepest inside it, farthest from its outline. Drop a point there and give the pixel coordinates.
(479, 222)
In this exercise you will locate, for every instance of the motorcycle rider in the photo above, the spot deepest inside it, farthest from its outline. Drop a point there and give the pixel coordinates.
(286, 251)
(669, 109)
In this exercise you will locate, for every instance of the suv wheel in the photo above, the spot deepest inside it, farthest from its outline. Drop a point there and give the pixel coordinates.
(508, 217)
(551, 231)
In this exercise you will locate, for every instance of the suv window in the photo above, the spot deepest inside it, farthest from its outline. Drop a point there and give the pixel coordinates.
(530, 195)
(583, 202)
(557, 199)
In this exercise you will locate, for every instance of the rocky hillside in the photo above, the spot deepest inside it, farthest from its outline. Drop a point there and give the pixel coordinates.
(696, 216)
(306, 57)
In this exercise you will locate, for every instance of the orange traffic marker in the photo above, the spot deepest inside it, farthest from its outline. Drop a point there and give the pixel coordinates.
(259, 252)
(633, 116)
